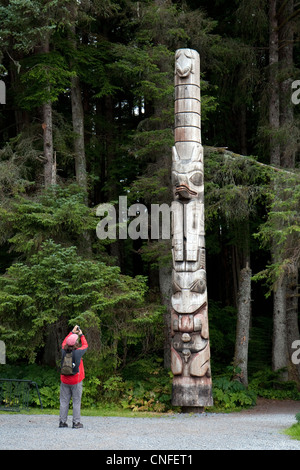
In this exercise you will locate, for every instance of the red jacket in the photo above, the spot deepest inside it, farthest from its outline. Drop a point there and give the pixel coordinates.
(78, 353)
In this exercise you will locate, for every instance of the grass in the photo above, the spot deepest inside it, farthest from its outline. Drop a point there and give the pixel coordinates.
(103, 411)
(114, 410)
(294, 431)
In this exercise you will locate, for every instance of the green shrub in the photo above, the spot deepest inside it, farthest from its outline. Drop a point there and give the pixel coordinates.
(143, 386)
(46, 378)
(267, 383)
(91, 392)
(231, 394)
(294, 431)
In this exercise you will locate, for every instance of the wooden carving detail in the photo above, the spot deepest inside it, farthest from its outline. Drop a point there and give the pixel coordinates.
(190, 350)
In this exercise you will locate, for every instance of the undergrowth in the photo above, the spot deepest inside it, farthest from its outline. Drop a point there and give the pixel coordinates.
(145, 386)
(268, 384)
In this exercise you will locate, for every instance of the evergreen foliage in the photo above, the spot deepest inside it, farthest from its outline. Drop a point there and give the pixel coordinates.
(282, 226)
(55, 285)
(114, 60)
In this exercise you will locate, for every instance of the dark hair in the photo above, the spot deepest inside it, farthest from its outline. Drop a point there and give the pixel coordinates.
(69, 348)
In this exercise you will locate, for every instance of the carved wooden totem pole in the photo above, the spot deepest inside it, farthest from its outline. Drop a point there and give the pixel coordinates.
(190, 350)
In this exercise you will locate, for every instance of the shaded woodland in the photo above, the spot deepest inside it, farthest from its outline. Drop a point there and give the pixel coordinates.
(89, 117)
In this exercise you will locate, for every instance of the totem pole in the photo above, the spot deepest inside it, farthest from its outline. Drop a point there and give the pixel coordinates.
(190, 350)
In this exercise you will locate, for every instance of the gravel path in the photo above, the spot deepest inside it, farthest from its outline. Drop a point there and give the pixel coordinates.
(248, 430)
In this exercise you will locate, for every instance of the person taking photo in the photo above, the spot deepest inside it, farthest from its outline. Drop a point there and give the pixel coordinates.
(72, 375)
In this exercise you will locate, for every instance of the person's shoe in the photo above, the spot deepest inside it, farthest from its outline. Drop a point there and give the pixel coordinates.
(77, 425)
(62, 425)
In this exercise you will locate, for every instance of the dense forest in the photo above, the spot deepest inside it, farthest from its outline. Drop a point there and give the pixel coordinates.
(89, 117)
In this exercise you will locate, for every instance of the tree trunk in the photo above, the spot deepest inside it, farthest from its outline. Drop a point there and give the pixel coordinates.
(292, 320)
(286, 36)
(78, 128)
(243, 129)
(273, 85)
(243, 324)
(50, 164)
(243, 303)
(49, 167)
(279, 346)
(165, 286)
(286, 64)
(285, 315)
(77, 112)
(110, 142)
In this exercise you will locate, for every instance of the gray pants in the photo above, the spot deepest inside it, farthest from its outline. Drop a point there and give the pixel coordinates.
(66, 393)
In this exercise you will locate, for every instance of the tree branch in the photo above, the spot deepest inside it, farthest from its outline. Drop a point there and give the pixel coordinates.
(225, 151)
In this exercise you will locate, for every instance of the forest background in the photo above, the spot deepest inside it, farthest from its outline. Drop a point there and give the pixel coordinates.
(89, 117)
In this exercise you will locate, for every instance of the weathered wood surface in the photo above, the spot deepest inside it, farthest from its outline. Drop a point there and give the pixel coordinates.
(190, 351)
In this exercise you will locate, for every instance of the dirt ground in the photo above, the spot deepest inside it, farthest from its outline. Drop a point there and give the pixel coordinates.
(266, 405)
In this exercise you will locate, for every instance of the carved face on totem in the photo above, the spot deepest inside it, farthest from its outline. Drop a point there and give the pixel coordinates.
(189, 291)
(187, 174)
(187, 179)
